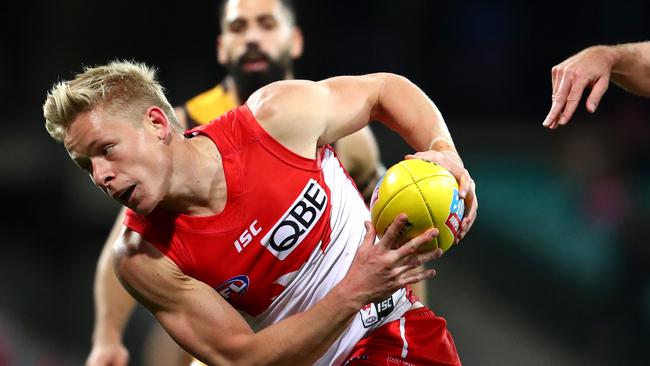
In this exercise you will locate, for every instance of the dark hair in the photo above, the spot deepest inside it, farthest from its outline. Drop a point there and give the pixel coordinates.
(288, 6)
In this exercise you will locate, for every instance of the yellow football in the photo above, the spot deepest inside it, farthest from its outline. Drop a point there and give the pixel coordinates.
(427, 193)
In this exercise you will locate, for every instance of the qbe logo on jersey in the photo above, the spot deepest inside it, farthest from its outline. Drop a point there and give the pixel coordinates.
(297, 222)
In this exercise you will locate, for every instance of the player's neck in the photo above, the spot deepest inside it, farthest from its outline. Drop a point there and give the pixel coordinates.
(198, 184)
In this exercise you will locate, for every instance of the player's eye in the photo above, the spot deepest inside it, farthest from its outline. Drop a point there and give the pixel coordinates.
(267, 22)
(237, 26)
(107, 149)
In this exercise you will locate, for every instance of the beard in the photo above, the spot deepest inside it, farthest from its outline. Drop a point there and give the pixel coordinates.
(247, 82)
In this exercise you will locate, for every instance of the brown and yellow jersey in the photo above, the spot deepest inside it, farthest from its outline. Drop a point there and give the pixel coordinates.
(210, 104)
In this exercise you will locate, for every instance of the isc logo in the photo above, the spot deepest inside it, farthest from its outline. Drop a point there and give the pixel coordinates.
(373, 313)
(234, 286)
(297, 222)
(247, 236)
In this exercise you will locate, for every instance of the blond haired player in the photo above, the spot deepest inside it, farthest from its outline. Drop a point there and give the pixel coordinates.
(254, 213)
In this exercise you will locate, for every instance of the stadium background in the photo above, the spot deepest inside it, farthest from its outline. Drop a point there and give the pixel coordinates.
(556, 268)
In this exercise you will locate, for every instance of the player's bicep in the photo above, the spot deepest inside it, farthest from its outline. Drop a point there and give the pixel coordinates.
(194, 315)
(316, 112)
(291, 112)
(352, 102)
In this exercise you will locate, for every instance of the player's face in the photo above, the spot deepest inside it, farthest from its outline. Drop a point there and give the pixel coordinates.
(257, 33)
(125, 161)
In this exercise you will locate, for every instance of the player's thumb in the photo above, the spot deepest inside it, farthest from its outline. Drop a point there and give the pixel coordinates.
(370, 232)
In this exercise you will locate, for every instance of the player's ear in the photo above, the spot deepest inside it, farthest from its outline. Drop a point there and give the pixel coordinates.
(158, 120)
(297, 42)
(221, 52)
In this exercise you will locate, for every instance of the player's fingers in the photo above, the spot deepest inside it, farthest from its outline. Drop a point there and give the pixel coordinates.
(465, 185)
(412, 247)
(554, 78)
(417, 276)
(416, 260)
(573, 98)
(555, 71)
(559, 99)
(597, 92)
(471, 209)
(371, 233)
(393, 232)
(468, 221)
(431, 156)
(468, 217)
(452, 164)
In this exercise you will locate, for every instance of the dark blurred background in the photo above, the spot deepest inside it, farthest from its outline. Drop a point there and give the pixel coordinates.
(556, 268)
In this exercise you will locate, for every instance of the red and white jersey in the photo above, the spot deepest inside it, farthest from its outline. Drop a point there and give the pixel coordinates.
(287, 235)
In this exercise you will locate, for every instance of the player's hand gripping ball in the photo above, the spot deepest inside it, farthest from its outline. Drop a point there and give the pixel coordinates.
(427, 193)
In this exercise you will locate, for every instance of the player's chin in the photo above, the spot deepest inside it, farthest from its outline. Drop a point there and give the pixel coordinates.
(142, 207)
(140, 211)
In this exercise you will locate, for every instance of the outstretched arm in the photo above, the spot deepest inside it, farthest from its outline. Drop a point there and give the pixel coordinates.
(627, 65)
(201, 321)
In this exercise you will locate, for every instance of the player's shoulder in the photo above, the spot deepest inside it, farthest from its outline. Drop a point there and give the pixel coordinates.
(135, 259)
(282, 96)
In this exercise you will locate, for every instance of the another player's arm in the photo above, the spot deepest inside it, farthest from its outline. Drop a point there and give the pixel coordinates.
(627, 65)
(303, 114)
(631, 68)
(113, 307)
(205, 325)
(360, 156)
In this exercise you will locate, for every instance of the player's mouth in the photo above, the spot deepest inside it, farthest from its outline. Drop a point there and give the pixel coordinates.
(254, 60)
(258, 65)
(124, 196)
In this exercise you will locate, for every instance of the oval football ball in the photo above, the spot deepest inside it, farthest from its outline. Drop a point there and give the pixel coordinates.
(427, 193)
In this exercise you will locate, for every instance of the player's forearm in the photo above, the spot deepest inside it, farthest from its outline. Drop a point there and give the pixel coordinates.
(304, 337)
(300, 339)
(631, 67)
(406, 109)
(113, 305)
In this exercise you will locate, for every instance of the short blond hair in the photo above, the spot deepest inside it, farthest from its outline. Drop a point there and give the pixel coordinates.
(125, 87)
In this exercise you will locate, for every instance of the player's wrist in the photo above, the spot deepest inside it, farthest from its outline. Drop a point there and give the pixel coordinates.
(347, 298)
(103, 335)
(610, 55)
(441, 144)
(446, 147)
